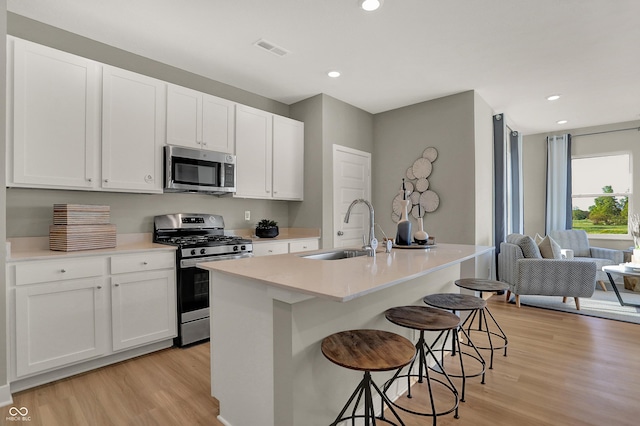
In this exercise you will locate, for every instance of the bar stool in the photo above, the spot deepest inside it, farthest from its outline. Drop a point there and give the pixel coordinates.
(483, 286)
(368, 350)
(458, 302)
(424, 318)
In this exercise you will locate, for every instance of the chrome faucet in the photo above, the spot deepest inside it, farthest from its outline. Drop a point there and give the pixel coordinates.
(373, 243)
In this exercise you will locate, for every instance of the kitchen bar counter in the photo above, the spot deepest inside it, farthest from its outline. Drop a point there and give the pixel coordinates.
(269, 315)
(346, 279)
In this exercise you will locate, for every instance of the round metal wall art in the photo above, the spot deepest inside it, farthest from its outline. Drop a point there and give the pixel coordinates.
(422, 199)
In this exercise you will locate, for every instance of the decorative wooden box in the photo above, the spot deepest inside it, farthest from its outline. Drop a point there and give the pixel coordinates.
(81, 227)
(80, 214)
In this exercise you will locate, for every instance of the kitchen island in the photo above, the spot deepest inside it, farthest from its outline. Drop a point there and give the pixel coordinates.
(270, 314)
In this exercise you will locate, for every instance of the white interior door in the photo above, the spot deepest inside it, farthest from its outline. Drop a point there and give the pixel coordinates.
(351, 180)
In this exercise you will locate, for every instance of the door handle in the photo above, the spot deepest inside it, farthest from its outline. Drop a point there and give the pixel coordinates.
(340, 233)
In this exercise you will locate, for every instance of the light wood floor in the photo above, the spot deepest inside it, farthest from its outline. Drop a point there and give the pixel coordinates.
(561, 369)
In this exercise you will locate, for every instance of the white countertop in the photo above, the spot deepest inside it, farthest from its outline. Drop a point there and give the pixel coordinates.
(346, 279)
(37, 248)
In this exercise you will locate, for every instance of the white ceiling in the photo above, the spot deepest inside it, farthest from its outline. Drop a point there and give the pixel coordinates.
(514, 53)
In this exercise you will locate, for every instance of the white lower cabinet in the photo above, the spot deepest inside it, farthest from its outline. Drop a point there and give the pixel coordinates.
(303, 245)
(268, 249)
(59, 323)
(281, 247)
(143, 308)
(64, 308)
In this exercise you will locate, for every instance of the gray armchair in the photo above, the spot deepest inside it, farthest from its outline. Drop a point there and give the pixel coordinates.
(577, 241)
(521, 266)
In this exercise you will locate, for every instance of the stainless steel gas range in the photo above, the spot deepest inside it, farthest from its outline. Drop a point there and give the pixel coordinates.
(199, 238)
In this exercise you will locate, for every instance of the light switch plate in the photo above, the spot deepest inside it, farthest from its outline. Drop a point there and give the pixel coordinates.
(247, 215)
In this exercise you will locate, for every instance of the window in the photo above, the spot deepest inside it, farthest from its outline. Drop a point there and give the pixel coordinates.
(601, 189)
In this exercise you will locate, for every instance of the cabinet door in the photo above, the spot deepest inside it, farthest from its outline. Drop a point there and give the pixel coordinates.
(303, 245)
(184, 116)
(59, 324)
(54, 124)
(143, 308)
(254, 152)
(288, 158)
(132, 131)
(218, 124)
(269, 249)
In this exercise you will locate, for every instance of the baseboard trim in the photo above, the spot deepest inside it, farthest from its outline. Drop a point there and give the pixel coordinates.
(61, 373)
(223, 421)
(5, 396)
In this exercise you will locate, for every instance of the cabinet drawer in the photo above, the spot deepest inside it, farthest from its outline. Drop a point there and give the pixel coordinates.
(142, 262)
(267, 249)
(58, 270)
(303, 245)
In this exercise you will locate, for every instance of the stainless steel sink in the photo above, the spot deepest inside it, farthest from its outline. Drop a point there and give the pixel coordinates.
(336, 254)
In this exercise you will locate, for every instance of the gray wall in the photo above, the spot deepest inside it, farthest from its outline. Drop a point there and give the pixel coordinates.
(30, 211)
(3, 202)
(601, 143)
(309, 213)
(328, 121)
(401, 135)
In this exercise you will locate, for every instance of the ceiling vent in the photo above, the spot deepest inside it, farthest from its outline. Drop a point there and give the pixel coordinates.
(267, 45)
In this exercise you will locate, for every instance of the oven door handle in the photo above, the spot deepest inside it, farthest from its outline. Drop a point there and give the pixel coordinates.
(190, 263)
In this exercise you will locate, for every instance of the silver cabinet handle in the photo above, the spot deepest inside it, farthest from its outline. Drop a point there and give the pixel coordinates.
(340, 233)
(106, 180)
(99, 287)
(144, 263)
(90, 179)
(63, 270)
(117, 285)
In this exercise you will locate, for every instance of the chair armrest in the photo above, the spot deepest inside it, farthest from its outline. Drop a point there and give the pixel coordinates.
(616, 256)
(567, 254)
(556, 277)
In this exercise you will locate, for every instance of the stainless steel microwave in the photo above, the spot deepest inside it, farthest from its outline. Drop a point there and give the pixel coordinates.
(198, 170)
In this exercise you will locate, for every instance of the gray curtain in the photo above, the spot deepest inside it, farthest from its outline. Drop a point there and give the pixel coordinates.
(508, 200)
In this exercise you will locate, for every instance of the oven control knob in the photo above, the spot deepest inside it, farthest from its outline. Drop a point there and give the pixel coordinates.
(203, 251)
(193, 252)
(243, 247)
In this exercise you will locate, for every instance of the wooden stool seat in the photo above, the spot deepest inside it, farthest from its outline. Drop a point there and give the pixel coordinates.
(368, 350)
(422, 318)
(459, 302)
(478, 284)
(483, 285)
(455, 301)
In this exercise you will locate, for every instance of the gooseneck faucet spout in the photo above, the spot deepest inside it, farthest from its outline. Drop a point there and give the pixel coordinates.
(373, 242)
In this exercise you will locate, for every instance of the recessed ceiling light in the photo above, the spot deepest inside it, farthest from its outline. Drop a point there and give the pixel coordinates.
(553, 97)
(370, 5)
(334, 74)
(562, 121)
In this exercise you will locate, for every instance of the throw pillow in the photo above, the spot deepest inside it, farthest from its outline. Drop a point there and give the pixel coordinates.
(538, 239)
(529, 247)
(549, 249)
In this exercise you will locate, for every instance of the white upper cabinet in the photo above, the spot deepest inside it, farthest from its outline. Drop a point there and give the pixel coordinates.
(254, 150)
(288, 158)
(53, 124)
(199, 120)
(270, 155)
(132, 131)
(55, 136)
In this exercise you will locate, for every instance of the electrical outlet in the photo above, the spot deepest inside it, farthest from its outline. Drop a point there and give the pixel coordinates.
(247, 215)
